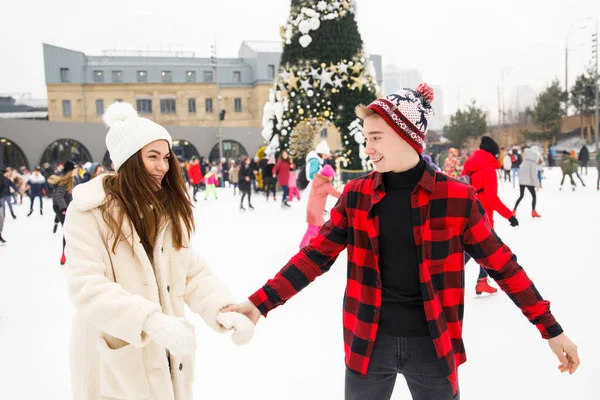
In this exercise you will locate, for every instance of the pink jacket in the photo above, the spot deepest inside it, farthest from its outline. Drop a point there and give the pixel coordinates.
(292, 180)
(211, 178)
(321, 187)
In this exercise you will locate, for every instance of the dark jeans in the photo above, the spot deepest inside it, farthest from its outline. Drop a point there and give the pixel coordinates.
(4, 201)
(413, 357)
(286, 192)
(482, 272)
(522, 193)
(40, 196)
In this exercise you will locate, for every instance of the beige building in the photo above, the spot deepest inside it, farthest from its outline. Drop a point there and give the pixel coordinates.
(170, 89)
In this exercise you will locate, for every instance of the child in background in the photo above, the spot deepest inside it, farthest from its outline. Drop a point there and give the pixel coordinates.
(316, 202)
(211, 180)
(292, 184)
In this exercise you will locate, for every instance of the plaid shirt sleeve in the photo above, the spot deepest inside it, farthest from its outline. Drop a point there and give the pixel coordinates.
(482, 243)
(309, 263)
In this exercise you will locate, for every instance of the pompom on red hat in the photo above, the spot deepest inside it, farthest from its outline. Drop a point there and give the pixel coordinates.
(408, 112)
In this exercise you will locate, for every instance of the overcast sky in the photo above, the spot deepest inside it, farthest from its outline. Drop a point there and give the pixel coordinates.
(462, 45)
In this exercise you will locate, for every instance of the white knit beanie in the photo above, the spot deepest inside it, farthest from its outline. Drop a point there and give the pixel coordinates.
(323, 148)
(128, 133)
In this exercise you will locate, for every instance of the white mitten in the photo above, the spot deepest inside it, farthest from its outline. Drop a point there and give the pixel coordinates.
(244, 328)
(175, 334)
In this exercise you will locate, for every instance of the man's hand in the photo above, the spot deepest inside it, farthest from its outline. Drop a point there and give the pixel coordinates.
(566, 351)
(513, 221)
(247, 308)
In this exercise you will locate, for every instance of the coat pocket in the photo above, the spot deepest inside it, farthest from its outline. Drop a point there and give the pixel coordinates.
(122, 372)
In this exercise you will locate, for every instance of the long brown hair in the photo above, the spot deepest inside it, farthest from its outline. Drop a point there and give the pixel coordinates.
(67, 180)
(132, 192)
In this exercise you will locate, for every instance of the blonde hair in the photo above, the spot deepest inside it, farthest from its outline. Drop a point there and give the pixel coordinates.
(363, 112)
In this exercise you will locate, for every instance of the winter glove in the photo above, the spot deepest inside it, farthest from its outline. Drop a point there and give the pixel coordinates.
(175, 334)
(244, 328)
(513, 221)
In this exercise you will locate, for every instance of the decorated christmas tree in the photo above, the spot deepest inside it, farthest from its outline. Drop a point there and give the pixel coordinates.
(324, 74)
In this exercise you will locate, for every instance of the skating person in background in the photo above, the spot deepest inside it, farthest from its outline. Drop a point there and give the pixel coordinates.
(540, 168)
(315, 159)
(36, 186)
(321, 188)
(63, 194)
(234, 176)
(282, 171)
(4, 185)
(481, 168)
(254, 164)
(528, 179)
(269, 182)
(598, 169)
(405, 263)
(246, 183)
(292, 183)
(184, 172)
(506, 166)
(131, 271)
(584, 158)
(6, 194)
(195, 174)
(516, 160)
(93, 171)
(569, 166)
(452, 164)
(211, 180)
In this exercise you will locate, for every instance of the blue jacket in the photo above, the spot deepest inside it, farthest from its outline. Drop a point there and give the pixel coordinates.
(37, 185)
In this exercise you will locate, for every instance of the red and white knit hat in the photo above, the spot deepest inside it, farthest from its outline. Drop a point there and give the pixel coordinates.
(407, 111)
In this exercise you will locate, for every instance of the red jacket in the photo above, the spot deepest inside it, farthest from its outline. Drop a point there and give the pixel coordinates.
(282, 170)
(450, 221)
(481, 167)
(195, 174)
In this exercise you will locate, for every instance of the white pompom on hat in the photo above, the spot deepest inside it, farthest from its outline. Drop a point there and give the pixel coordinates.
(128, 133)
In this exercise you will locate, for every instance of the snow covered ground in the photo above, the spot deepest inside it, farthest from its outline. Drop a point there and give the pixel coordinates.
(297, 352)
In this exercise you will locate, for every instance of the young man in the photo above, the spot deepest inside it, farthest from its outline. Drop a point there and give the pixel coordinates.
(406, 228)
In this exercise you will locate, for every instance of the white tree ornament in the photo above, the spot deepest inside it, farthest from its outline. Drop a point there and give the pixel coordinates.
(305, 40)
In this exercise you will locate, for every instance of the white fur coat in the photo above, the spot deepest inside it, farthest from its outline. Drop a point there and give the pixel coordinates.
(113, 294)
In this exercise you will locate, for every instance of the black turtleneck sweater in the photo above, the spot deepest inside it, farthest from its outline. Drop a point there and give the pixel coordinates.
(402, 310)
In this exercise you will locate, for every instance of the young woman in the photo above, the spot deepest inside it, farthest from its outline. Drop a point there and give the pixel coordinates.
(245, 177)
(282, 171)
(131, 270)
(62, 198)
(528, 179)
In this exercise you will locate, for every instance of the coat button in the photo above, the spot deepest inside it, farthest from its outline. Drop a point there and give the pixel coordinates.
(180, 367)
(374, 311)
(376, 283)
(161, 250)
(377, 197)
(370, 340)
(168, 288)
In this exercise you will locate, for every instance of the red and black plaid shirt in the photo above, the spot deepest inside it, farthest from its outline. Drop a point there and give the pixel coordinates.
(446, 214)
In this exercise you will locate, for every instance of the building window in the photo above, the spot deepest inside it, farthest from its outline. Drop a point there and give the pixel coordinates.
(271, 71)
(207, 76)
(237, 76)
(66, 104)
(142, 76)
(64, 75)
(98, 76)
(190, 76)
(208, 105)
(117, 76)
(238, 104)
(192, 106)
(167, 76)
(324, 133)
(167, 106)
(99, 107)
(144, 106)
